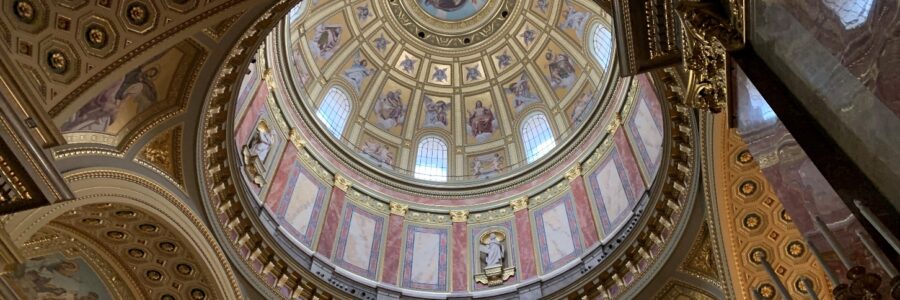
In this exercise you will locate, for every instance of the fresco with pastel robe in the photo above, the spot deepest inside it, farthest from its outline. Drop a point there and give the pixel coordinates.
(57, 277)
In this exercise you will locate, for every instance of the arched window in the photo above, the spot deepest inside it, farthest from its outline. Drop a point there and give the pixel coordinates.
(334, 110)
(601, 45)
(537, 137)
(431, 159)
(852, 13)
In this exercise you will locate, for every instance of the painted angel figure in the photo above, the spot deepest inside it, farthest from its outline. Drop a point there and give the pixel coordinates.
(562, 70)
(435, 113)
(358, 71)
(494, 252)
(574, 20)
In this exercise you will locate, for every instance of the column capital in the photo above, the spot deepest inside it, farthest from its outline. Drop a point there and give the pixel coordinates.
(399, 209)
(574, 172)
(458, 216)
(342, 182)
(519, 203)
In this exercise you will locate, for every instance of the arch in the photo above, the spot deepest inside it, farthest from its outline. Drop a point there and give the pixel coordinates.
(335, 110)
(601, 44)
(431, 159)
(537, 136)
(119, 187)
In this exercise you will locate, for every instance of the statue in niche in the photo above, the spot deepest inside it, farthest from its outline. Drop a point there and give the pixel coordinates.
(256, 151)
(495, 268)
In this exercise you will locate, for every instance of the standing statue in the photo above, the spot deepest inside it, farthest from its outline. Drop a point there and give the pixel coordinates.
(494, 252)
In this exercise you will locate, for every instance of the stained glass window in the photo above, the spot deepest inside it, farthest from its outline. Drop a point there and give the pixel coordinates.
(431, 159)
(334, 110)
(537, 137)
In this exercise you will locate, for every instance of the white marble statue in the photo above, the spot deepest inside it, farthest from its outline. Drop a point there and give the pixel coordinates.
(494, 252)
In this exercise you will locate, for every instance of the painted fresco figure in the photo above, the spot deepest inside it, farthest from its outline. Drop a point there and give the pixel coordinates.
(110, 112)
(579, 113)
(389, 110)
(325, 41)
(358, 71)
(481, 122)
(435, 113)
(521, 91)
(378, 152)
(562, 70)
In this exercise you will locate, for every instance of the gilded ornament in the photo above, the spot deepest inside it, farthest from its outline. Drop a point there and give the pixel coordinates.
(198, 294)
(796, 249)
(25, 11)
(137, 13)
(767, 291)
(96, 36)
(154, 275)
(519, 203)
(757, 255)
(342, 182)
(745, 157)
(57, 61)
(459, 215)
(167, 247)
(574, 172)
(184, 269)
(91, 221)
(167, 297)
(126, 214)
(399, 209)
(116, 235)
(752, 221)
(785, 216)
(148, 228)
(748, 188)
(798, 284)
(136, 253)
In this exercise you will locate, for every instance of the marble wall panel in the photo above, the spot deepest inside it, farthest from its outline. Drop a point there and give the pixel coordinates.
(646, 126)
(251, 116)
(359, 246)
(425, 259)
(612, 191)
(557, 232)
(296, 198)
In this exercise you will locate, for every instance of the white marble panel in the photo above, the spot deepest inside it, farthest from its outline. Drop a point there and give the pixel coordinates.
(426, 253)
(615, 201)
(651, 135)
(303, 199)
(560, 241)
(360, 237)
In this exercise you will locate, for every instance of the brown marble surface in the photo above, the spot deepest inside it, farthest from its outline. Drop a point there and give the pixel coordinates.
(841, 58)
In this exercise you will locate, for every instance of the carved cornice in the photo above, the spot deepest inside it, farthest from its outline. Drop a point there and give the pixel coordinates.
(399, 209)
(459, 215)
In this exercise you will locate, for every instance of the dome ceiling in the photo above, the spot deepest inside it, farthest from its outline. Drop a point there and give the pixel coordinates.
(466, 78)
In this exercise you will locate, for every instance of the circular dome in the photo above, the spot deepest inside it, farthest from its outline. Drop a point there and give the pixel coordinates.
(384, 81)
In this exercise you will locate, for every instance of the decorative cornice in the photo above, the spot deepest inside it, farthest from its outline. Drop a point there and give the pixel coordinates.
(573, 173)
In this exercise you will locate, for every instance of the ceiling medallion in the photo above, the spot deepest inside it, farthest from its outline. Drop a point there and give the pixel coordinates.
(57, 61)
(798, 284)
(167, 297)
(767, 291)
(752, 221)
(444, 24)
(757, 255)
(786, 217)
(96, 36)
(136, 253)
(137, 13)
(167, 247)
(748, 188)
(198, 294)
(24, 11)
(184, 269)
(745, 157)
(116, 235)
(154, 275)
(795, 249)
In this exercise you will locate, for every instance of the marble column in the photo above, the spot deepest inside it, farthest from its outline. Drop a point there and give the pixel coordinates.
(332, 219)
(587, 224)
(460, 246)
(527, 260)
(390, 272)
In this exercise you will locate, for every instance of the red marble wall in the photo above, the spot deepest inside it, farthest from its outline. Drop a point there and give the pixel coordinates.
(527, 261)
(588, 224)
(325, 245)
(391, 269)
(460, 274)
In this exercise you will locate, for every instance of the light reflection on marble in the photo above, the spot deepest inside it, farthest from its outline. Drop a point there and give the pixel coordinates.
(842, 60)
(803, 191)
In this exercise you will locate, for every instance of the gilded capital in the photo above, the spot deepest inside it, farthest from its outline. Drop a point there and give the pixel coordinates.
(519, 203)
(342, 183)
(459, 215)
(294, 135)
(574, 172)
(399, 209)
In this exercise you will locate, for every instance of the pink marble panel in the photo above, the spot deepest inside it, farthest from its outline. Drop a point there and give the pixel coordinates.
(359, 246)
(251, 116)
(248, 84)
(425, 259)
(332, 219)
(629, 163)
(460, 272)
(393, 250)
(296, 198)
(587, 223)
(612, 191)
(283, 173)
(557, 233)
(527, 261)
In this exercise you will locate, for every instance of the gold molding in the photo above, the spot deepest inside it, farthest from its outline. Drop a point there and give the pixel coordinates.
(519, 203)
(399, 209)
(459, 215)
(342, 182)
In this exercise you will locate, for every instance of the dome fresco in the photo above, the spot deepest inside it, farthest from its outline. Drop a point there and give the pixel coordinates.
(531, 153)
(395, 90)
